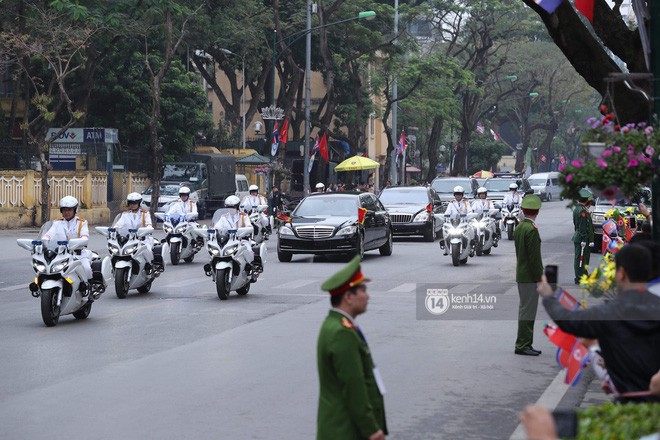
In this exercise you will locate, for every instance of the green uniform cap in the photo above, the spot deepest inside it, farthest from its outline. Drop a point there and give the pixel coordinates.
(349, 276)
(531, 201)
(586, 194)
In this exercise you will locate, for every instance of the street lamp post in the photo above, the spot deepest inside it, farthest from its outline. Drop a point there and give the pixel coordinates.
(364, 15)
(229, 52)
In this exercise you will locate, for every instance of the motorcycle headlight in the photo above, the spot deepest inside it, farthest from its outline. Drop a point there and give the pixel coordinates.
(348, 230)
(38, 266)
(213, 251)
(114, 250)
(455, 231)
(168, 229)
(131, 250)
(230, 251)
(60, 267)
(421, 217)
(285, 230)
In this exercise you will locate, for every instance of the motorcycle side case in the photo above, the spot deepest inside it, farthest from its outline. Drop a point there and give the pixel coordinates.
(263, 252)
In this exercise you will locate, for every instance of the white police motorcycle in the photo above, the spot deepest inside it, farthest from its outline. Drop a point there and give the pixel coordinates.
(181, 242)
(511, 217)
(260, 222)
(229, 259)
(459, 237)
(60, 277)
(485, 230)
(127, 260)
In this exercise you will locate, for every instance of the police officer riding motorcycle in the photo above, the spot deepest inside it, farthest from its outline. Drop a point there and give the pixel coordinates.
(457, 235)
(487, 232)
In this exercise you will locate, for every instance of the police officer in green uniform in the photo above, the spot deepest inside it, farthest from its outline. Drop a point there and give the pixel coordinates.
(351, 397)
(583, 239)
(529, 269)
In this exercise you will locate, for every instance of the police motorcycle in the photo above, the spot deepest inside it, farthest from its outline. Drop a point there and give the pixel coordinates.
(182, 241)
(485, 230)
(230, 267)
(128, 261)
(510, 218)
(60, 279)
(459, 237)
(260, 222)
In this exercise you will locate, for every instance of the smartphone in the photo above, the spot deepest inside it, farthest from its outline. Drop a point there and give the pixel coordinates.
(551, 275)
(632, 222)
(566, 423)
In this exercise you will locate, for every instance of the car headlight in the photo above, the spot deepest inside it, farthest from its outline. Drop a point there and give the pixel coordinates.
(285, 230)
(113, 249)
(347, 230)
(168, 229)
(598, 218)
(38, 266)
(421, 217)
(230, 251)
(60, 267)
(131, 250)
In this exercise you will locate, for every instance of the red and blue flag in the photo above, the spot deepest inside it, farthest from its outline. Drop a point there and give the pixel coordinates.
(276, 139)
(549, 5)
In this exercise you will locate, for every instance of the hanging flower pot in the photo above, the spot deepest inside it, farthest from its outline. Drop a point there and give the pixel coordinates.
(615, 162)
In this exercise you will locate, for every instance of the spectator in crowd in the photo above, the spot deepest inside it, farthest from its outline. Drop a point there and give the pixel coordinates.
(627, 327)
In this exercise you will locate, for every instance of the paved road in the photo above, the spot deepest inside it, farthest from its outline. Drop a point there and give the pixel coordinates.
(178, 363)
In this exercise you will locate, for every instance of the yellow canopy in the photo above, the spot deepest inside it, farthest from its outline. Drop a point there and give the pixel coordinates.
(357, 163)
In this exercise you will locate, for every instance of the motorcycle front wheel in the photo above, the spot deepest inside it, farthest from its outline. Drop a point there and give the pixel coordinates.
(222, 284)
(455, 254)
(50, 311)
(121, 282)
(175, 253)
(509, 231)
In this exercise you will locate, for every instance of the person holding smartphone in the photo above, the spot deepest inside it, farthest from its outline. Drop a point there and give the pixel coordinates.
(627, 327)
(529, 269)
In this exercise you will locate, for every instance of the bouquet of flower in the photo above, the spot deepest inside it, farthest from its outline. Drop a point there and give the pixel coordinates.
(624, 161)
(601, 282)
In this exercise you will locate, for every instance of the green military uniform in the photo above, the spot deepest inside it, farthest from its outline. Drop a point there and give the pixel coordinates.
(584, 233)
(350, 403)
(529, 269)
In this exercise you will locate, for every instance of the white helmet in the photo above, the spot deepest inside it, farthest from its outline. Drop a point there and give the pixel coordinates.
(320, 185)
(69, 202)
(184, 190)
(482, 190)
(459, 189)
(232, 202)
(513, 186)
(134, 197)
(253, 188)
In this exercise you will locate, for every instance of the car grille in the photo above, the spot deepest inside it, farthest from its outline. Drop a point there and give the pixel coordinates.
(314, 232)
(401, 218)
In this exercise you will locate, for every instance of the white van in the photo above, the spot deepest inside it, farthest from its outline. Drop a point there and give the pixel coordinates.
(546, 185)
(241, 186)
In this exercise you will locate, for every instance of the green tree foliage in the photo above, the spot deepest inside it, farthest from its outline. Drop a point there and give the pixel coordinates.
(485, 153)
(122, 98)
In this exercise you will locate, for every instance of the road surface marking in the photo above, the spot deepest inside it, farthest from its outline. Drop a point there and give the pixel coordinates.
(16, 287)
(295, 284)
(405, 287)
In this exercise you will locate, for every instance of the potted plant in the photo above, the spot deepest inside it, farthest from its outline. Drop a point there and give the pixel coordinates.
(615, 162)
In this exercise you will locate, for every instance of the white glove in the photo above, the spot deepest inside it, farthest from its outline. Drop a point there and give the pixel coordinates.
(583, 244)
(591, 244)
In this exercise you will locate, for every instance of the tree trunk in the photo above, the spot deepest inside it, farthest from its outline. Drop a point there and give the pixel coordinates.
(45, 188)
(434, 140)
(592, 62)
(156, 146)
